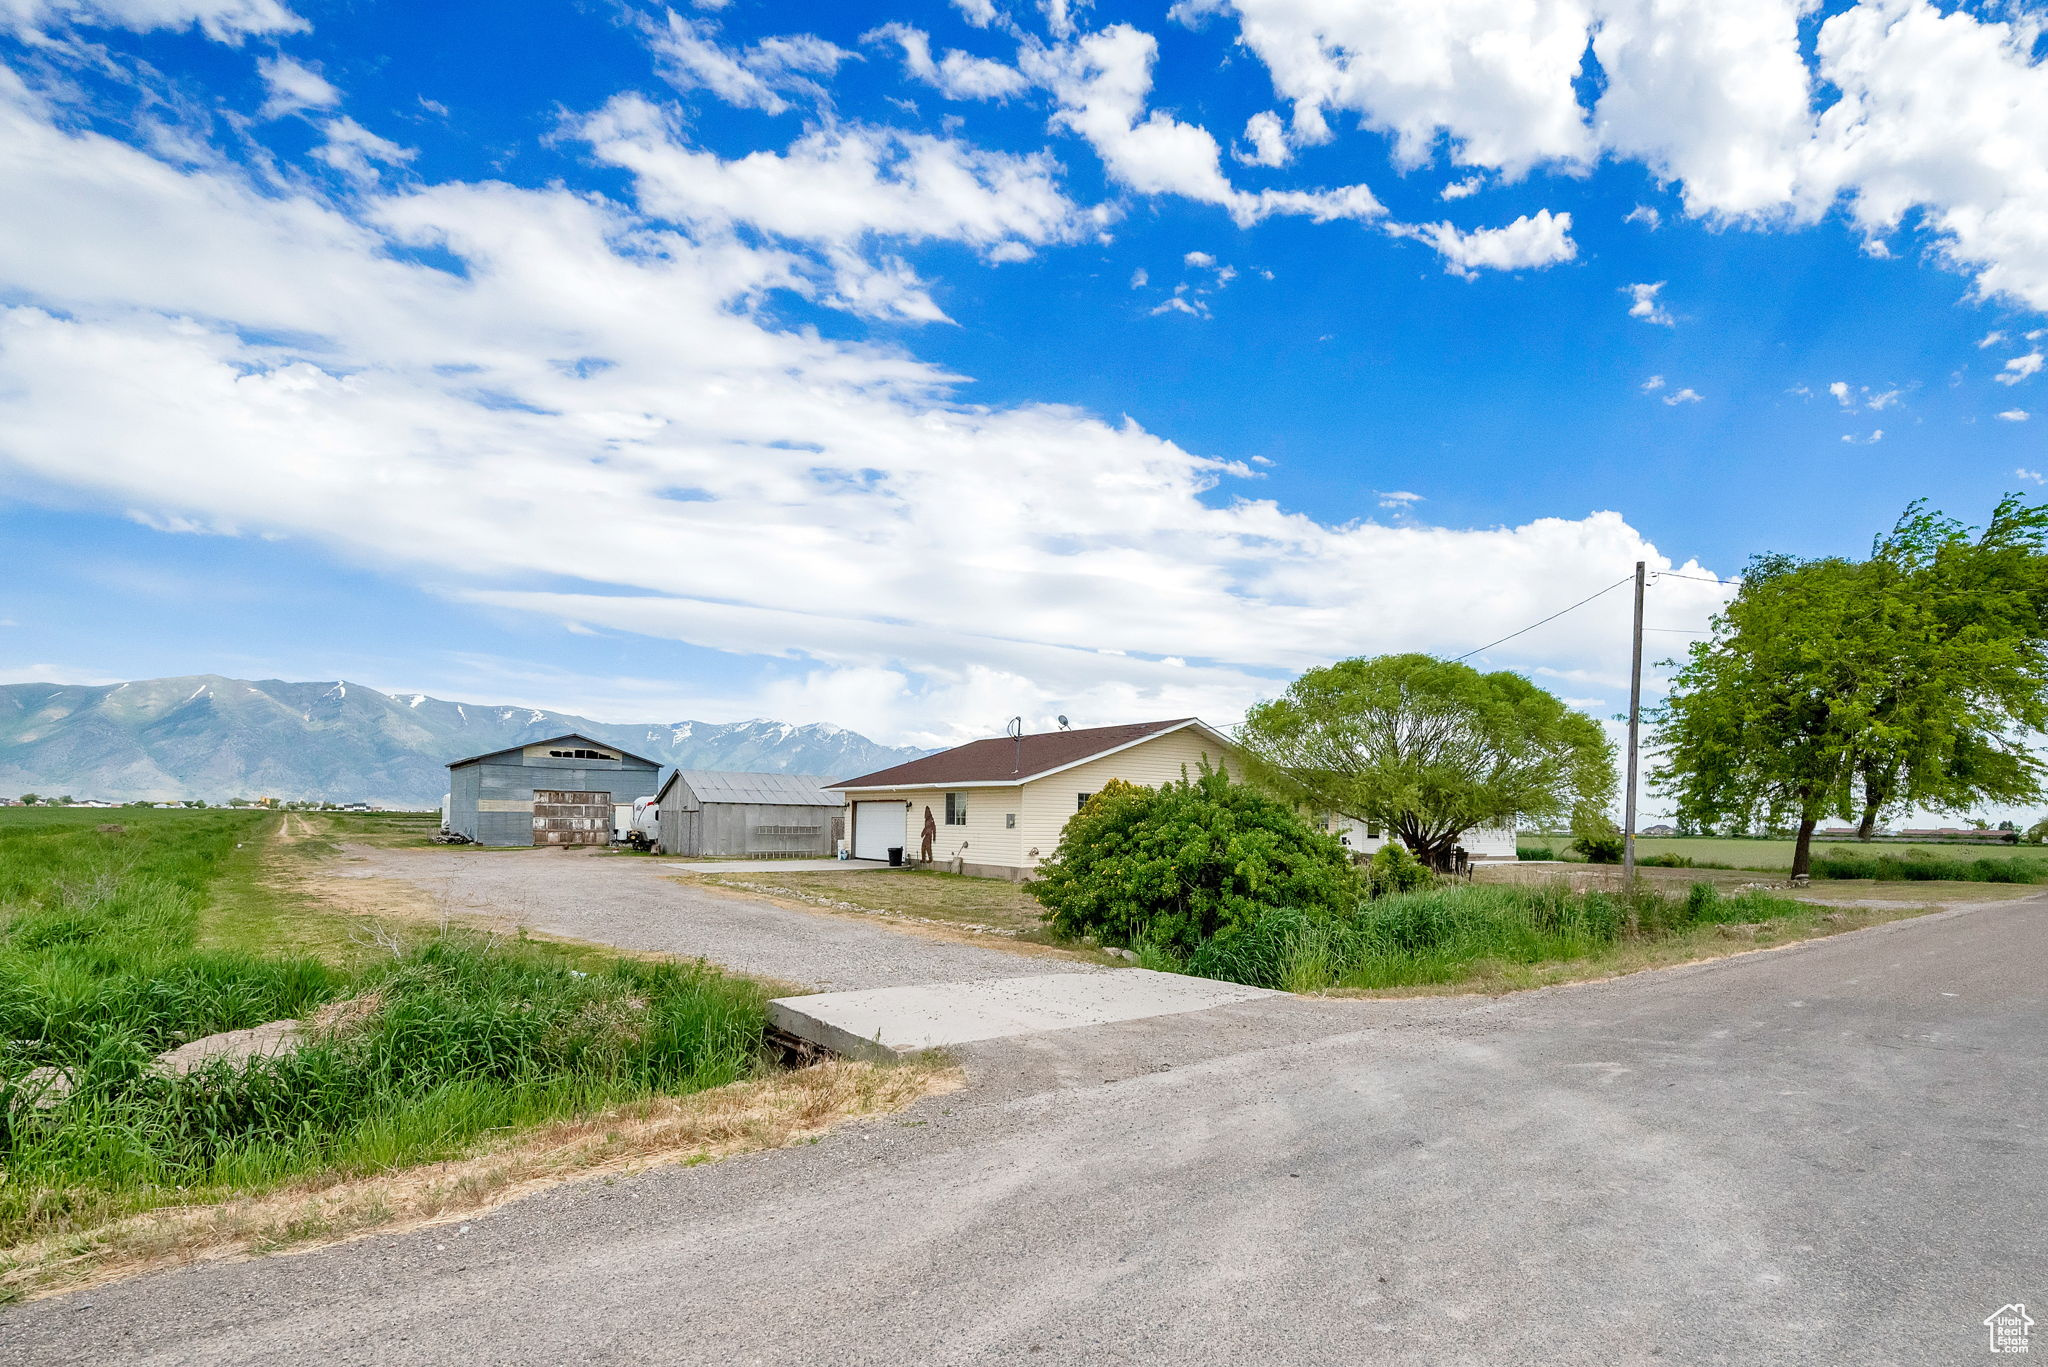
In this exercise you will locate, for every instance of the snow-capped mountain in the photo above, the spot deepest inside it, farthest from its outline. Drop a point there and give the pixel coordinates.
(210, 737)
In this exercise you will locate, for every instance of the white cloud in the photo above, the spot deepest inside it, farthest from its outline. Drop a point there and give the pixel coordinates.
(2014, 415)
(1840, 389)
(758, 77)
(1908, 112)
(1399, 498)
(1991, 339)
(293, 86)
(1140, 278)
(957, 75)
(2020, 368)
(601, 386)
(1267, 139)
(1645, 215)
(357, 152)
(1653, 384)
(1198, 259)
(1462, 189)
(1643, 304)
(1102, 81)
(980, 13)
(1531, 242)
(1680, 396)
(1877, 435)
(841, 184)
(224, 21)
(2035, 475)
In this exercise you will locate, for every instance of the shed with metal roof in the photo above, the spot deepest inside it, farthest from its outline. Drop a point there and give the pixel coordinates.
(709, 813)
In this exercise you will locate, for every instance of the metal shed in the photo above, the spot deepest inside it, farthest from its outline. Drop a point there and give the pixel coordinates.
(748, 816)
(549, 792)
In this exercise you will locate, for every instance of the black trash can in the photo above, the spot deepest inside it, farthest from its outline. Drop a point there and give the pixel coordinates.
(895, 856)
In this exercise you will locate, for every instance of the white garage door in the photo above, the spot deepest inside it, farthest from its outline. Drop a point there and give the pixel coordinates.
(877, 826)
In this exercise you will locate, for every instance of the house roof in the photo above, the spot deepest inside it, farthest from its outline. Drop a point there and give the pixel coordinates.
(759, 790)
(553, 740)
(1011, 759)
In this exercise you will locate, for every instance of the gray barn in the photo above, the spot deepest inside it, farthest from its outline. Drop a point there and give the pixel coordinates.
(748, 816)
(551, 792)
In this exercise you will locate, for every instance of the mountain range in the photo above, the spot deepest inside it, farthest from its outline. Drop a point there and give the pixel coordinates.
(205, 736)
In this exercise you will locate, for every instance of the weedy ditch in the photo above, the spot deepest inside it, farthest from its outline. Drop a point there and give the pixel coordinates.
(410, 1052)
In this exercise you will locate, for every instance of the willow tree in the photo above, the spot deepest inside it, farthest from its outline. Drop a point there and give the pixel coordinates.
(1427, 749)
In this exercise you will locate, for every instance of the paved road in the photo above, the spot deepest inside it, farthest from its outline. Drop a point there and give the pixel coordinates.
(638, 904)
(1826, 1154)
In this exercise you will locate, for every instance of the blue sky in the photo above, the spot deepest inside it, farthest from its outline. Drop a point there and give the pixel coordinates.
(911, 367)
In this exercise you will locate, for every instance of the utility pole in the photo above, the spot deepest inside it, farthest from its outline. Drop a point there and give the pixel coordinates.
(1635, 714)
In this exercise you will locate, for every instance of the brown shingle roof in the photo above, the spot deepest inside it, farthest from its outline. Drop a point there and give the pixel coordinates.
(997, 760)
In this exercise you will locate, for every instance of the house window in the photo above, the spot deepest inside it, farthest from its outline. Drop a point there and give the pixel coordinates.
(1009, 821)
(580, 754)
(1372, 830)
(956, 809)
(1081, 800)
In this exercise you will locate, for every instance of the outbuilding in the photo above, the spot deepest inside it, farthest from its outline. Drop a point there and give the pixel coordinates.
(550, 792)
(705, 812)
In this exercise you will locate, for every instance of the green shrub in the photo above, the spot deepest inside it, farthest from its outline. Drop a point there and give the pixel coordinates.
(1188, 862)
(1535, 852)
(1393, 868)
(1597, 839)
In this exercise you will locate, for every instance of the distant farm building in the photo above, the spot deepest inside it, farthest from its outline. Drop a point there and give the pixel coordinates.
(748, 816)
(552, 792)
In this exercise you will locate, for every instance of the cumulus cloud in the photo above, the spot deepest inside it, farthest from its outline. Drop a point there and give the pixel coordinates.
(1677, 397)
(1462, 189)
(1645, 215)
(356, 152)
(293, 86)
(2020, 368)
(601, 385)
(1906, 111)
(980, 13)
(1265, 141)
(2014, 415)
(1531, 242)
(1643, 304)
(1102, 81)
(956, 75)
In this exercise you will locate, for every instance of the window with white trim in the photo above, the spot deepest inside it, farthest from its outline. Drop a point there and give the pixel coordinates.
(956, 809)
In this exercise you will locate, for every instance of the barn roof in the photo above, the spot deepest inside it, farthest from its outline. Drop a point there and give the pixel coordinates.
(1013, 759)
(760, 790)
(553, 740)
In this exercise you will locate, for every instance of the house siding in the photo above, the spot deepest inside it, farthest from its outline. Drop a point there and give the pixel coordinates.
(985, 839)
(1050, 801)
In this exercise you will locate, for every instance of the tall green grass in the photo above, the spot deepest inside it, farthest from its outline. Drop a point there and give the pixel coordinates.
(1445, 934)
(450, 1037)
(1930, 868)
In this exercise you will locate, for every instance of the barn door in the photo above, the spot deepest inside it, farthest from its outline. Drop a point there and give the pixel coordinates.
(569, 818)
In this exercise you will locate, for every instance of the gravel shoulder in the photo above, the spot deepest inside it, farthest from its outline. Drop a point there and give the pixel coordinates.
(638, 904)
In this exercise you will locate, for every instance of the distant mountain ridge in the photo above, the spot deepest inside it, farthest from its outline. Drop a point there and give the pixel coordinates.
(206, 736)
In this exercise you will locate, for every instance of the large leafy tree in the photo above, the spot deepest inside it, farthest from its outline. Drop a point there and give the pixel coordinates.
(1850, 688)
(1428, 749)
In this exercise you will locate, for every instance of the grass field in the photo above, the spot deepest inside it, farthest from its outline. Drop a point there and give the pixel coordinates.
(124, 933)
(1775, 856)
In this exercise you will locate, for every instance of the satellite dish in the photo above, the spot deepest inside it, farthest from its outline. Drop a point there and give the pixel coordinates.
(1063, 723)
(1016, 727)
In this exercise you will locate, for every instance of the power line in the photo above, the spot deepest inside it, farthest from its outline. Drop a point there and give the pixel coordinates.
(1699, 579)
(1551, 618)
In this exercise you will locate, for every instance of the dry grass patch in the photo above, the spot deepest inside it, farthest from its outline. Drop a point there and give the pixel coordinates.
(1699, 945)
(949, 905)
(744, 1117)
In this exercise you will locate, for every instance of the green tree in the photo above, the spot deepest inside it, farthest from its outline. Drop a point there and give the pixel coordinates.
(30, 799)
(1427, 749)
(1181, 864)
(1850, 688)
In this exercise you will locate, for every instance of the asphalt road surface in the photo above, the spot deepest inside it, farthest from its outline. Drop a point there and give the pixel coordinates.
(1828, 1154)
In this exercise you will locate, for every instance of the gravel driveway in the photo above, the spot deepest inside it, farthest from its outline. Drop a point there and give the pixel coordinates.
(638, 904)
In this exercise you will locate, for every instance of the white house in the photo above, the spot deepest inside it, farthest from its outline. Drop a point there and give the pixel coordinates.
(1481, 842)
(999, 805)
